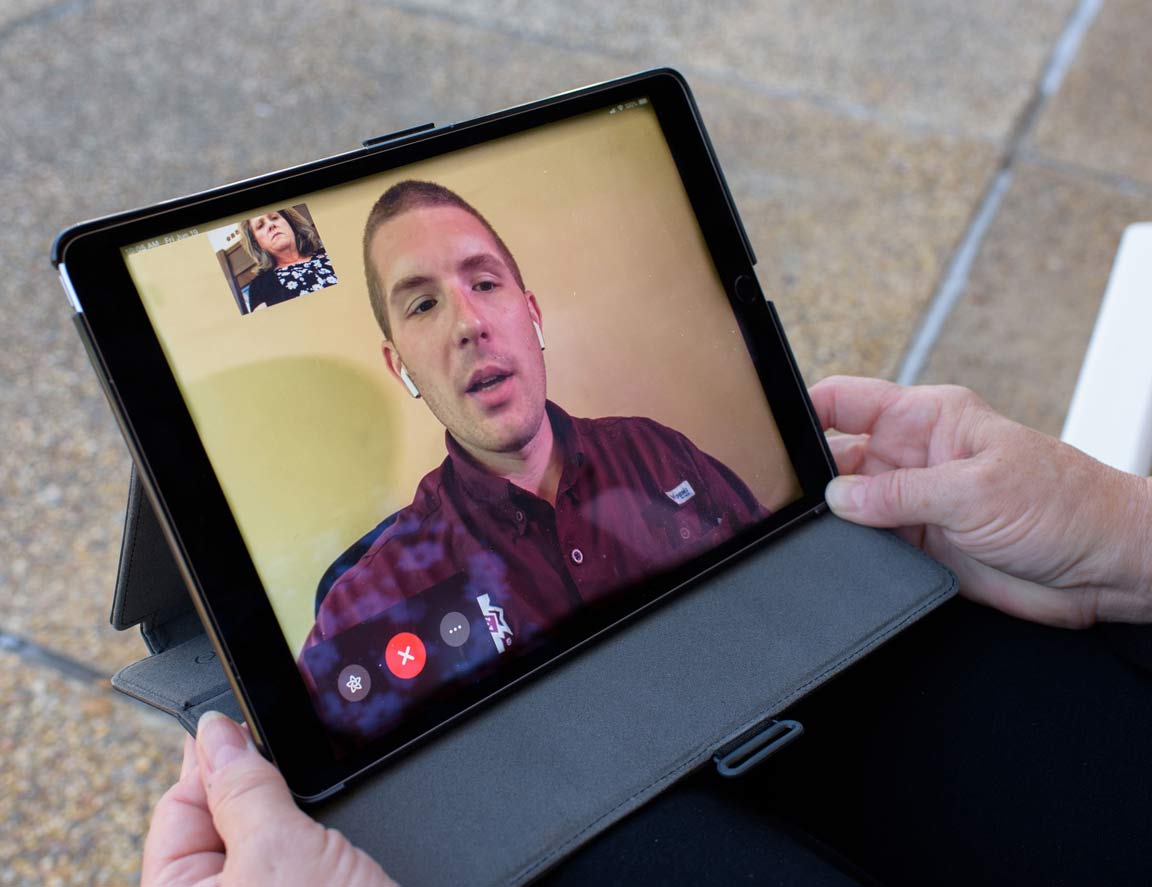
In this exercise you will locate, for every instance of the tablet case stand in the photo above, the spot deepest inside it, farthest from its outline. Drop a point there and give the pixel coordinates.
(507, 793)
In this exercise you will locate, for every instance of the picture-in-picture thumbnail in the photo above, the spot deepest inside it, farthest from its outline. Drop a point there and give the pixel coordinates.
(272, 258)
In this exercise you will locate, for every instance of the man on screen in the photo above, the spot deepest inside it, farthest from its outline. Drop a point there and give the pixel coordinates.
(533, 508)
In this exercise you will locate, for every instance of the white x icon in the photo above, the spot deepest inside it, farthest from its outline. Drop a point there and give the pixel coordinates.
(405, 655)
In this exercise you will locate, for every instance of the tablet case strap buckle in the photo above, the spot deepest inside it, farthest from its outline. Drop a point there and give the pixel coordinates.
(771, 736)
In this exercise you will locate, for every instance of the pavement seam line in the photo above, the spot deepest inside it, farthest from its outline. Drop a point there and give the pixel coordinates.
(955, 281)
(828, 103)
(956, 276)
(1117, 181)
(38, 16)
(32, 652)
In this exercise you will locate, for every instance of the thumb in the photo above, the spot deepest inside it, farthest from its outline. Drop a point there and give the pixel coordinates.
(245, 792)
(903, 497)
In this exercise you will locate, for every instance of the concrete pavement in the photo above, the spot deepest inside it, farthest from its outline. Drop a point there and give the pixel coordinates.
(863, 143)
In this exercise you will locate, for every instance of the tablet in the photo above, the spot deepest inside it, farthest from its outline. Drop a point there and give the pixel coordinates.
(425, 418)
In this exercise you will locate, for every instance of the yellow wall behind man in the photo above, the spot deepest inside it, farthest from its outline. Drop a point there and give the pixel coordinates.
(315, 443)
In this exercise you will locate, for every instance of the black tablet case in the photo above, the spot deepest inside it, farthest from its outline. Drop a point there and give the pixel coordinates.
(508, 792)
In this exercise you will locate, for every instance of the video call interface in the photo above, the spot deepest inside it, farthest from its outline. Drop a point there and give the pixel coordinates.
(455, 404)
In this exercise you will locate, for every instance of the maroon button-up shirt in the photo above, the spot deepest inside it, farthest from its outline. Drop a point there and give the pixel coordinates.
(635, 498)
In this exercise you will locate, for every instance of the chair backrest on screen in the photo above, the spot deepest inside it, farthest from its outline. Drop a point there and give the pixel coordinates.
(350, 558)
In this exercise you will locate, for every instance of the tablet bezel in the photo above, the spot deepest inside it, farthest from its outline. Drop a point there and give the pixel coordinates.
(190, 502)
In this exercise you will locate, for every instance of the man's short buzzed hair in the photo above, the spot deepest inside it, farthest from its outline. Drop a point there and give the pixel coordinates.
(401, 198)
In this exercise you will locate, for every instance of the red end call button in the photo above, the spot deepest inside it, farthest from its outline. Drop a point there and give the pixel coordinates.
(405, 655)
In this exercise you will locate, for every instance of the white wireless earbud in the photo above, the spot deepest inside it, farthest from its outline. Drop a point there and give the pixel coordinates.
(539, 334)
(408, 383)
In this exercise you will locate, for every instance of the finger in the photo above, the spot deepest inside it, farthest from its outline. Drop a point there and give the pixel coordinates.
(849, 451)
(1058, 607)
(188, 765)
(852, 404)
(269, 840)
(902, 497)
(191, 777)
(1123, 605)
(911, 535)
(182, 846)
(246, 794)
(856, 454)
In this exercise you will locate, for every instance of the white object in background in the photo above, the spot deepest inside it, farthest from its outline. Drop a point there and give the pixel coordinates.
(1111, 413)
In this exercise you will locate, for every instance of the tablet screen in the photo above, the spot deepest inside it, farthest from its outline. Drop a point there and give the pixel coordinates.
(456, 404)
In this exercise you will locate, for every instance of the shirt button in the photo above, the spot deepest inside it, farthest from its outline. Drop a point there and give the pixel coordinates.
(577, 556)
(519, 516)
(685, 533)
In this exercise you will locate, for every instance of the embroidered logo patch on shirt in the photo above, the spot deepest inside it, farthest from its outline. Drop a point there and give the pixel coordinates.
(680, 493)
(497, 625)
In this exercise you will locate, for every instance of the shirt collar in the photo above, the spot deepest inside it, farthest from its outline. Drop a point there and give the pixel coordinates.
(492, 489)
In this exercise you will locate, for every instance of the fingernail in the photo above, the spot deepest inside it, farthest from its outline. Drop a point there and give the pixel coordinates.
(845, 494)
(190, 763)
(221, 738)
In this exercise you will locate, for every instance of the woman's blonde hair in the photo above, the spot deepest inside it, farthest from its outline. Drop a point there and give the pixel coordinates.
(307, 240)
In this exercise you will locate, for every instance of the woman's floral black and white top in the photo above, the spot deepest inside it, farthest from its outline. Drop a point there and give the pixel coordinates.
(281, 284)
(309, 276)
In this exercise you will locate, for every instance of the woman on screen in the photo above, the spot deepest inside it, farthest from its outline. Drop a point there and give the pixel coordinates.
(289, 254)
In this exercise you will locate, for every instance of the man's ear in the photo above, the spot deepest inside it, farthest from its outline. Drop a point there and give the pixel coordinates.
(391, 358)
(534, 313)
(534, 308)
(396, 367)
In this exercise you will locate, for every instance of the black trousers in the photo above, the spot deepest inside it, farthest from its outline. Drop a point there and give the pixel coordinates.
(973, 749)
